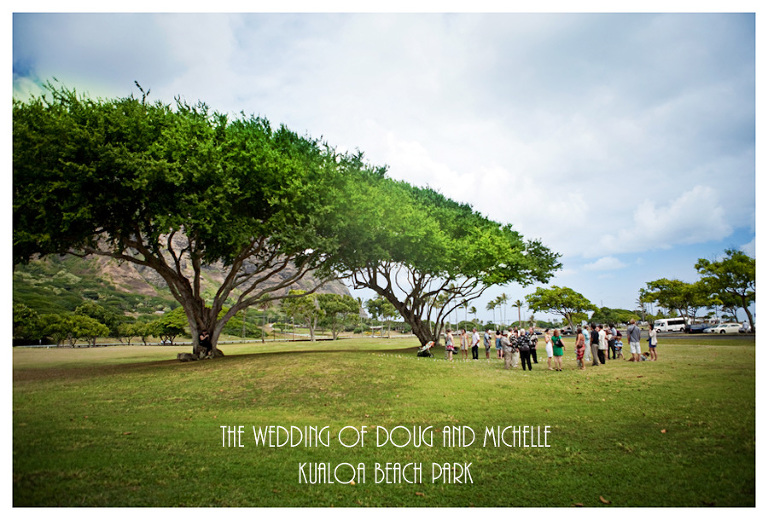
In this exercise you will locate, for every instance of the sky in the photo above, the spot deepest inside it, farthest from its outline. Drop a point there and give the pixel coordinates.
(625, 141)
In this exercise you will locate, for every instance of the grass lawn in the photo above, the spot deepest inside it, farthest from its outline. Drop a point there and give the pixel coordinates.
(131, 426)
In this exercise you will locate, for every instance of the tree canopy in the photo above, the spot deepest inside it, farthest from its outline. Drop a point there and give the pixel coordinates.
(428, 255)
(27, 324)
(336, 309)
(559, 300)
(615, 316)
(732, 278)
(303, 308)
(168, 326)
(173, 188)
(685, 298)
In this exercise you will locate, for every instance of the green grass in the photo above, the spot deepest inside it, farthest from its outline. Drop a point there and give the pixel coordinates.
(130, 426)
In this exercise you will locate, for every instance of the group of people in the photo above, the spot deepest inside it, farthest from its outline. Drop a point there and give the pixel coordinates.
(595, 343)
(514, 346)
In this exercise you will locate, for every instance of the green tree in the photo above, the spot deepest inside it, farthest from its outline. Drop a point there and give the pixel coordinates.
(373, 306)
(732, 277)
(615, 316)
(54, 327)
(100, 314)
(388, 312)
(169, 326)
(174, 188)
(685, 298)
(502, 301)
(303, 306)
(414, 245)
(519, 305)
(560, 300)
(491, 306)
(27, 324)
(337, 308)
(641, 310)
(137, 329)
(143, 331)
(87, 329)
(73, 327)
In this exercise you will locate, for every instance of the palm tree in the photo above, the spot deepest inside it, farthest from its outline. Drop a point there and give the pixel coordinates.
(492, 307)
(519, 305)
(503, 299)
(359, 311)
(473, 312)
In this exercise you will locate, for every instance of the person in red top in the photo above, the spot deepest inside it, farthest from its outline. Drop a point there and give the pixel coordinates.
(581, 346)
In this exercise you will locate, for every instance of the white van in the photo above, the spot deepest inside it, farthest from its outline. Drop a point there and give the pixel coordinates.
(670, 324)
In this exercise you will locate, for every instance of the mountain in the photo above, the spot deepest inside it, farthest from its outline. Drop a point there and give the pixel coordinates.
(57, 284)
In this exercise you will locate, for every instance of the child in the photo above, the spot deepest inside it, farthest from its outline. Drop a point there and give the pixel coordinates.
(618, 346)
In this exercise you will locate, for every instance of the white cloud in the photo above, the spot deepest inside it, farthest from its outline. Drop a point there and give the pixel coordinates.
(696, 215)
(749, 248)
(606, 263)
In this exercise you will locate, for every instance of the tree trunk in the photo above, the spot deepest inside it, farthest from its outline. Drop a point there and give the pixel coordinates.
(312, 324)
(570, 323)
(749, 314)
(334, 329)
(422, 331)
(201, 319)
(264, 327)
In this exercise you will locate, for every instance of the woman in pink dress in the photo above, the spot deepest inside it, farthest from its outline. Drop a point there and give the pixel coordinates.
(580, 348)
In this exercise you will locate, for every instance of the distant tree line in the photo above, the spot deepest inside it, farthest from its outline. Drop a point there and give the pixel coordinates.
(333, 312)
(726, 285)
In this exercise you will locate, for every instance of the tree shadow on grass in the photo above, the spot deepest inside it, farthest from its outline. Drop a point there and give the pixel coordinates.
(74, 373)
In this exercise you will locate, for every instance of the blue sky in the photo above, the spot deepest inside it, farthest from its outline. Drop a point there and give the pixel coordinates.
(626, 142)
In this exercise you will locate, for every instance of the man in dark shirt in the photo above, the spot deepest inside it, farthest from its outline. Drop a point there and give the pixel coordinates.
(205, 343)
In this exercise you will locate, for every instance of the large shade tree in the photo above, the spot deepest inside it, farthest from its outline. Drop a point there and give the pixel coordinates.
(685, 298)
(174, 188)
(429, 255)
(733, 278)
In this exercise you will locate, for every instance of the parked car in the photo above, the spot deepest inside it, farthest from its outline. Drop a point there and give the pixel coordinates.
(724, 328)
(698, 328)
